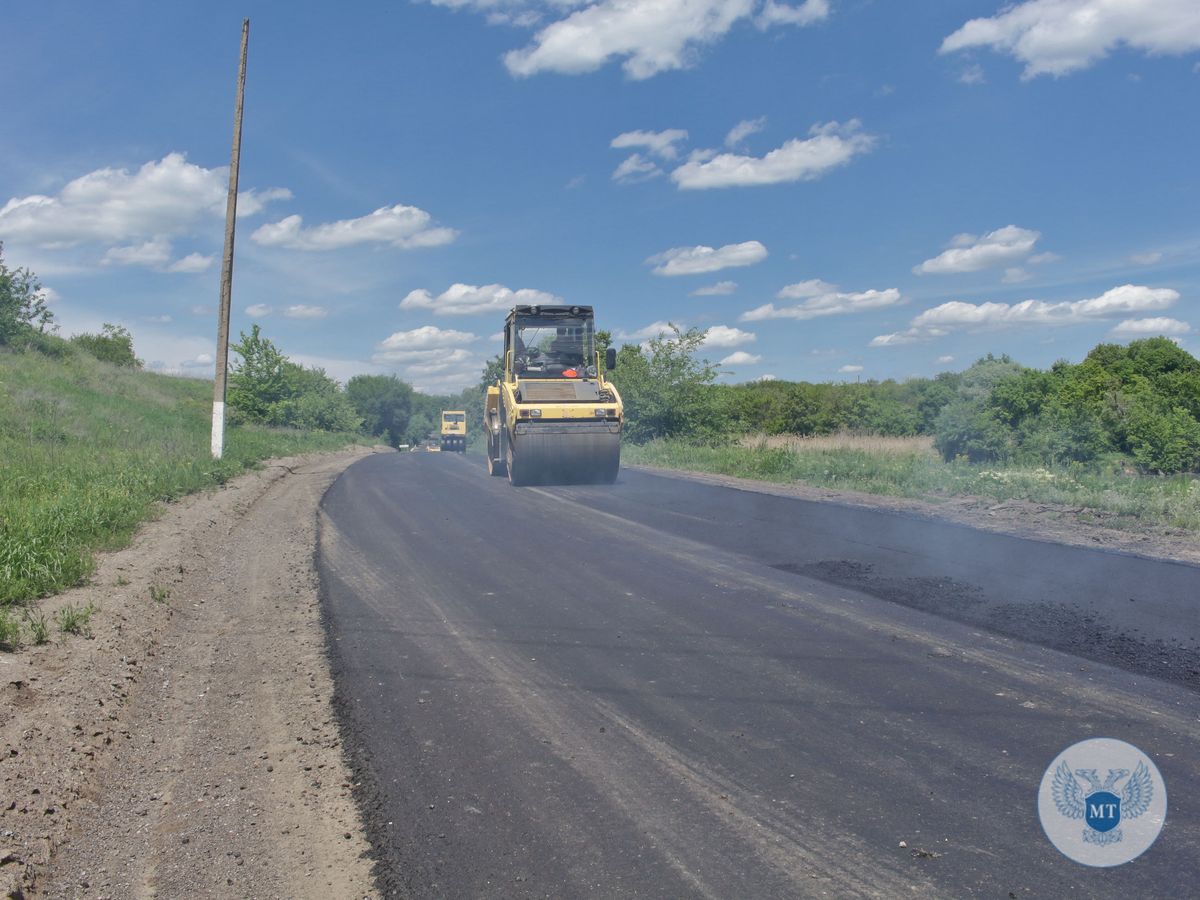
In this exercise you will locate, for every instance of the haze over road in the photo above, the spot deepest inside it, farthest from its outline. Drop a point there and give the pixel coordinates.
(667, 689)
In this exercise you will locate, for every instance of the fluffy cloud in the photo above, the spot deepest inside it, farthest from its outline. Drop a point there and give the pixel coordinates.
(720, 289)
(724, 336)
(192, 263)
(743, 130)
(700, 260)
(153, 253)
(850, 369)
(258, 310)
(822, 300)
(650, 37)
(427, 337)
(432, 358)
(945, 360)
(969, 253)
(1055, 37)
(940, 320)
(808, 13)
(406, 227)
(1148, 327)
(469, 299)
(636, 168)
(829, 146)
(653, 330)
(301, 311)
(111, 206)
(741, 358)
(660, 143)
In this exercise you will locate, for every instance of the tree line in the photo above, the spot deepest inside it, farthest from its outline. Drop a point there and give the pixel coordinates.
(1136, 404)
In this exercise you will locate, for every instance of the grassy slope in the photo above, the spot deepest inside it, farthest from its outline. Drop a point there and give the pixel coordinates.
(86, 449)
(909, 467)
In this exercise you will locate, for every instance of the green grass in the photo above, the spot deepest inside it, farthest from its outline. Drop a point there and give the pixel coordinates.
(74, 619)
(87, 450)
(899, 469)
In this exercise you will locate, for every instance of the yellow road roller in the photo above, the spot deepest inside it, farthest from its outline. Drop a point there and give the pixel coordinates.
(552, 417)
(454, 430)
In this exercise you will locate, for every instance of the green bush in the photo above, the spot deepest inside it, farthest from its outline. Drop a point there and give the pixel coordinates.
(113, 345)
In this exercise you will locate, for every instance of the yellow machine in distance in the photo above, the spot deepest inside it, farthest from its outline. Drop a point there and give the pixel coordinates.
(454, 430)
(553, 417)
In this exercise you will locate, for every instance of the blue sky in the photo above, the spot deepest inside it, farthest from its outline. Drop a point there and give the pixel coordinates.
(838, 189)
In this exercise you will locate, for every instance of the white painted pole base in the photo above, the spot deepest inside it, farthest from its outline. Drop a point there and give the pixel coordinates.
(218, 429)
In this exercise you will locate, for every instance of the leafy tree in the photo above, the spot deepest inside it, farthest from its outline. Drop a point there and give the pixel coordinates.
(256, 381)
(664, 387)
(970, 425)
(23, 310)
(385, 404)
(113, 345)
(267, 387)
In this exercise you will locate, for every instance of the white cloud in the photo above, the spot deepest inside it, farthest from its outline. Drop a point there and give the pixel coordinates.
(50, 295)
(1155, 326)
(469, 299)
(406, 227)
(941, 320)
(193, 262)
(720, 289)
(636, 168)
(813, 287)
(741, 358)
(651, 37)
(301, 311)
(807, 13)
(152, 253)
(829, 303)
(972, 75)
(435, 362)
(427, 337)
(767, 377)
(163, 198)
(258, 310)
(850, 369)
(653, 330)
(724, 336)
(1015, 275)
(743, 130)
(450, 382)
(1146, 259)
(1039, 258)
(1056, 37)
(969, 253)
(945, 360)
(700, 260)
(830, 145)
(660, 143)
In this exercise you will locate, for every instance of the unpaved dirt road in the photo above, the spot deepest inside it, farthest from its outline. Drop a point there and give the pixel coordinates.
(189, 749)
(667, 688)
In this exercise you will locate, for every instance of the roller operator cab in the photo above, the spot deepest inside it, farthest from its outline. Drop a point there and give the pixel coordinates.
(552, 417)
(454, 430)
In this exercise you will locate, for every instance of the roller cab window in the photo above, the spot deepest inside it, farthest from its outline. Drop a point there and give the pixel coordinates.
(553, 348)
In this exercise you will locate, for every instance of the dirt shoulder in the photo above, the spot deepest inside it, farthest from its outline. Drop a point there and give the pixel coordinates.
(1020, 518)
(190, 746)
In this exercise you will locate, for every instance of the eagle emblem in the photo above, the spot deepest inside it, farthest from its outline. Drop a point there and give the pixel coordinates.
(1099, 804)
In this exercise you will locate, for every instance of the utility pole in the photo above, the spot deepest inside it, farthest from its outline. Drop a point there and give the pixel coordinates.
(218, 413)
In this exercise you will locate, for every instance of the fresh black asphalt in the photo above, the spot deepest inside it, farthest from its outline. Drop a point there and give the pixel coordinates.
(665, 688)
